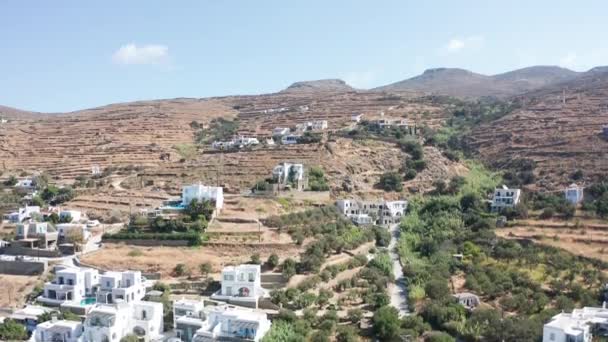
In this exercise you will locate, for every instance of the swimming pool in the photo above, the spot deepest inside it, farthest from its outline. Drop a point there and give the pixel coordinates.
(88, 301)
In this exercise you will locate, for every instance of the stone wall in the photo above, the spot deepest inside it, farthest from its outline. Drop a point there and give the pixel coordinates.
(22, 267)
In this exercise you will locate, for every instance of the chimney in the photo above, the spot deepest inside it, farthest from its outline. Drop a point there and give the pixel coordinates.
(54, 318)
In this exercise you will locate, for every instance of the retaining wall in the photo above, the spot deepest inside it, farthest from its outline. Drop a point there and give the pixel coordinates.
(22, 267)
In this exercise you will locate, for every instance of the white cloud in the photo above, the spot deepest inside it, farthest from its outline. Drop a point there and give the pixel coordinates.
(360, 79)
(144, 54)
(458, 44)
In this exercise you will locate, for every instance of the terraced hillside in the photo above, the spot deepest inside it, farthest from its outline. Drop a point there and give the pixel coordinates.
(559, 128)
(135, 135)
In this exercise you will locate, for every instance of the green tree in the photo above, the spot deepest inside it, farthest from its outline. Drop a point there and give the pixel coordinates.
(197, 208)
(130, 338)
(288, 268)
(12, 331)
(387, 325)
(273, 260)
(180, 270)
(390, 181)
(439, 337)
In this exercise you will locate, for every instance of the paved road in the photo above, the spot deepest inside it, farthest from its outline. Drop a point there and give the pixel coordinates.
(398, 290)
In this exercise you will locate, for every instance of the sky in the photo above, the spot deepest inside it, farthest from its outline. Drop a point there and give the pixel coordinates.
(58, 56)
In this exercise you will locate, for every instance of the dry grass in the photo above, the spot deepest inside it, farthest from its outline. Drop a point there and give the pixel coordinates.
(164, 259)
(15, 288)
(588, 239)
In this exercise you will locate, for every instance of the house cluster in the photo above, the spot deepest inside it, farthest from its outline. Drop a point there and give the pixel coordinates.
(288, 136)
(506, 197)
(391, 122)
(582, 325)
(235, 143)
(375, 212)
(32, 229)
(78, 288)
(107, 322)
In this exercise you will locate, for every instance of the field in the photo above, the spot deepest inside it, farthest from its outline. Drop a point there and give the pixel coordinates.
(584, 237)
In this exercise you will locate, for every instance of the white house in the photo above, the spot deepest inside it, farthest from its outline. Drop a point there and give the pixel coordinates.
(356, 118)
(71, 285)
(26, 183)
(242, 141)
(574, 194)
(74, 214)
(505, 198)
(35, 234)
(380, 212)
(111, 322)
(392, 122)
(128, 286)
(23, 214)
(225, 323)
(468, 300)
(290, 139)
(280, 131)
(58, 330)
(287, 173)
(28, 316)
(201, 192)
(195, 322)
(241, 285)
(577, 326)
(315, 126)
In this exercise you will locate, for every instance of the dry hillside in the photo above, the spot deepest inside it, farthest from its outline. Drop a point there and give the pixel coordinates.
(560, 134)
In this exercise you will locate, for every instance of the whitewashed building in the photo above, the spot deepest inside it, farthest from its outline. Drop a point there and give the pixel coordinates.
(505, 198)
(195, 323)
(75, 215)
(71, 284)
(290, 139)
(26, 183)
(241, 285)
(313, 126)
(201, 192)
(128, 286)
(574, 194)
(58, 331)
(578, 326)
(289, 174)
(356, 118)
(35, 235)
(23, 214)
(378, 212)
(111, 322)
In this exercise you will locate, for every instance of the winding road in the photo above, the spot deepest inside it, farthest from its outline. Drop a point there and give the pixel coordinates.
(398, 290)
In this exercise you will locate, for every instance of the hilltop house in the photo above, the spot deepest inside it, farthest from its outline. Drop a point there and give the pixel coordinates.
(378, 212)
(577, 326)
(23, 214)
(574, 194)
(280, 131)
(238, 142)
(201, 192)
(391, 122)
(287, 174)
(290, 139)
(505, 198)
(468, 300)
(312, 126)
(71, 284)
(26, 183)
(194, 322)
(241, 285)
(35, 235)
(356, 118)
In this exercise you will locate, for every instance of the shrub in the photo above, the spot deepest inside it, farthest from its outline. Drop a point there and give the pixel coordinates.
(273, 260)
(390, 181)
(180, 270)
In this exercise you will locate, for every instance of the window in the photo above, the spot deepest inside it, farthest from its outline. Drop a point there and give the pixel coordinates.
(251, 277)
(144, 314)
(552, 336)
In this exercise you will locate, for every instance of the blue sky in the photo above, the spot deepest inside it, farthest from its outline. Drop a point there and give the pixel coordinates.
(69, 55)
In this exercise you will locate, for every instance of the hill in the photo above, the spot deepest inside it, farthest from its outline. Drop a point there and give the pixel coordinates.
(559, 128)
(467, 84)
(327, 85)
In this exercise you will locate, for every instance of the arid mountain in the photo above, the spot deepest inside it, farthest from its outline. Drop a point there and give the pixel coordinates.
(559, 128)
(328, 85)
(464, 83)
(14, 113)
